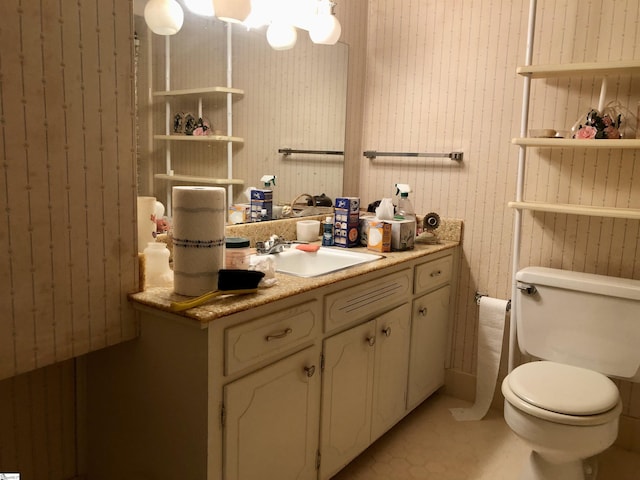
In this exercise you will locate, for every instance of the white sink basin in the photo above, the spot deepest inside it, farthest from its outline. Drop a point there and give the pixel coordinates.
(313, 264)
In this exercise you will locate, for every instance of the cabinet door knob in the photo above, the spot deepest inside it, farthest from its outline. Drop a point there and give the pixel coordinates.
(387, 331)
(371, 341)
(423, 311)
(282, 334)
(436, 273)
(309, 371)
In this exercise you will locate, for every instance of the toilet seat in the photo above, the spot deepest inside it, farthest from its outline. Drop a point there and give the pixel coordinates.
(562, 393)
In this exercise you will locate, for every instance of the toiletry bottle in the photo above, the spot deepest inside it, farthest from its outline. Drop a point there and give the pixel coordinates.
(262, 199)
(157, 272)
(327, 232)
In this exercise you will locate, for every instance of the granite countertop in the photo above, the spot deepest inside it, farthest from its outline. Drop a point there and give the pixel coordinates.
(287, 285)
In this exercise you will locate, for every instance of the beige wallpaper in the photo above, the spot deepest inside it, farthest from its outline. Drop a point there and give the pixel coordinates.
(67, 203)
(440, 76)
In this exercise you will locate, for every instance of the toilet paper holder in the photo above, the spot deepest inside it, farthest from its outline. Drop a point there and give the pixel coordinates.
(479, 295)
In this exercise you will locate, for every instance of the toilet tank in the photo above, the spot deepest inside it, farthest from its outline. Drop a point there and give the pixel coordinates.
(581, 319)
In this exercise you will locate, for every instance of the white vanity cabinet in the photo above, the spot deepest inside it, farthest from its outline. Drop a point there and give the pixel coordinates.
(270, 420)
(364, 383)
(290, 390)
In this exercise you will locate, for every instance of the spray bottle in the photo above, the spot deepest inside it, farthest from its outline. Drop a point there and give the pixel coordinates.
(405, 208)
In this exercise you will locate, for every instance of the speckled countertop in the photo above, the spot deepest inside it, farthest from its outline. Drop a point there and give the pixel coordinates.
(287, 285)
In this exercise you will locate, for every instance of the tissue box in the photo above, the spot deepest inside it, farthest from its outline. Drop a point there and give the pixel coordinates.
(261, 200)
(379, 236)
(347, 221)
(239, 213)
(403, 234)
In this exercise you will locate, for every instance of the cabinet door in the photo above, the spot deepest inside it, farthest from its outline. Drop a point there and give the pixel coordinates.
(347, 388)
(393, 336)
(271, 424)
(428, 345)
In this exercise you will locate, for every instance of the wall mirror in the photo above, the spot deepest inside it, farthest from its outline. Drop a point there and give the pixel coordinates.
(292, 99)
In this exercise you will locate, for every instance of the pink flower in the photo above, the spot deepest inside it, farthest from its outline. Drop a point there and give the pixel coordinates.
(198, 132)
(586, 132)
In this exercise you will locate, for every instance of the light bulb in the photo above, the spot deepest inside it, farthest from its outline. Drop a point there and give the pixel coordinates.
(203, 8)
(325, 30)
(232, 11)
(281, 36)
(164, 17)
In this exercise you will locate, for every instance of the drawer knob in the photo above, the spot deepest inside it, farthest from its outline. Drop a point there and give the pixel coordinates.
(423, 311)
(436, 273)
(276, 336)
(371, 341)
(387, 331)
(309, 371)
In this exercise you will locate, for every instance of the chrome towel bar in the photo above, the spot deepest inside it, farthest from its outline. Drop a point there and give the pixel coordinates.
(289, 151)
(371, 154)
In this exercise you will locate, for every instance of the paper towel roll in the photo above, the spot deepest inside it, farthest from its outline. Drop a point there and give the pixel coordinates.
(198, 238)
(146, 221)
(490, 332)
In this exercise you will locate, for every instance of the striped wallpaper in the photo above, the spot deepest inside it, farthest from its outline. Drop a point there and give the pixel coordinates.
(67, 207)
(440, 76)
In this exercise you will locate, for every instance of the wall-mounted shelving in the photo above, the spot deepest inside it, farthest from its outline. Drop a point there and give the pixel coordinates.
(194, 98)
(600, 70)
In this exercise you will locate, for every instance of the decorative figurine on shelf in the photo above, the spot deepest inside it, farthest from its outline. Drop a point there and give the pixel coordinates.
(178, 123)
(203, 127)
(190, 124)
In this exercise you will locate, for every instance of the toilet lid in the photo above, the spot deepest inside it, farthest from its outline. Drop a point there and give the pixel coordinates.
(563, 388)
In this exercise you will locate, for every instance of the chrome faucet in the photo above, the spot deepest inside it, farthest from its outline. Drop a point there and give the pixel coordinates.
(275, 244)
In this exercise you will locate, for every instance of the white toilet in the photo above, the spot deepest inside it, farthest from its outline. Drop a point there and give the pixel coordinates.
(582, 327)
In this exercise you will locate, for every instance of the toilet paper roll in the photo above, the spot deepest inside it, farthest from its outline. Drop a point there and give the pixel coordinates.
(198, 238)
(490, 332)
(146, 221)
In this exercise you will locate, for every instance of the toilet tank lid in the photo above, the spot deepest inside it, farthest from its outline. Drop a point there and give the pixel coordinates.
(579, 281)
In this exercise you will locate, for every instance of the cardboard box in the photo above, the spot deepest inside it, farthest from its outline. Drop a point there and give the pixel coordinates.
(347, 222)
(239, 213)
(403, 234)
(379, 236)
(261, 200)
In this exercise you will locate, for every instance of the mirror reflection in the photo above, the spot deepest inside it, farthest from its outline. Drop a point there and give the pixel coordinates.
(292, 99)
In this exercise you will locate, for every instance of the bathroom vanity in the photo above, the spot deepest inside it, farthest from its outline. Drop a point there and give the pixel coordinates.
(292, 382)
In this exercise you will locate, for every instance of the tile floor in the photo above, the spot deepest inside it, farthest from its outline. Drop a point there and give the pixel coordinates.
(429, 444)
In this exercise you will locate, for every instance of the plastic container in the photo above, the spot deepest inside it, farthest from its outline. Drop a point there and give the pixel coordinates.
(327, 232)
(307, 230)
(237, 254)
(157, 272)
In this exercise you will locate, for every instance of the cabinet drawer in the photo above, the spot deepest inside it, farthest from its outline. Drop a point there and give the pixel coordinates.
(433, 274)
(259, 339)
(369, 298)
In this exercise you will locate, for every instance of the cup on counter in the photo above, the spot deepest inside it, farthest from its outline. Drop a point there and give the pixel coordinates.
(308, 230)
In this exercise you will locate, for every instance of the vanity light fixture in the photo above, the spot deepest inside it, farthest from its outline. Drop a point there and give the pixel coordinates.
(164, 17)
(281, 35)
(232, 11)
(325, 28)
(204, 8)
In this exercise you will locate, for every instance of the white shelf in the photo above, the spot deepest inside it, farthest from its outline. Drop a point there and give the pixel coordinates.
(200, 180)
(202, 138)
(198, 92)
(629, 213)
(575, 143)
(580, 69)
